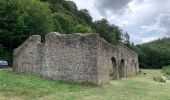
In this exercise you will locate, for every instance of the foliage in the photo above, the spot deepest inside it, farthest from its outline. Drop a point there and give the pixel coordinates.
(5, 54)
(166, 71)
(111, 33)
(66, 22)
(21, 18)
(125, 38)
(79, 28)
(84, 14)
(155, 54)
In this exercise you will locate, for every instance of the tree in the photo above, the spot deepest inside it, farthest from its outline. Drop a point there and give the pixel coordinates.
(66, 22)
(79, 28)
(71, 6)
(155, 54)
(125, 38)
(20, 19)
(84, 14)
(110, 33)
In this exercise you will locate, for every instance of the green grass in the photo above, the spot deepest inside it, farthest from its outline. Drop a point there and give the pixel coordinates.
(166, 71)
(15, 86)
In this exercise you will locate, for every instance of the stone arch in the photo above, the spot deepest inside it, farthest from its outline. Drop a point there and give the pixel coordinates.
(114, 68)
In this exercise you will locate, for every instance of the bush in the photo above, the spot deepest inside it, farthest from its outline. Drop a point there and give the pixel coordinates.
(166, 71)
(82, 29)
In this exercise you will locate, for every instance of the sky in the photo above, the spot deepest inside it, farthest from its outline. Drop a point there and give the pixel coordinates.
(144, 20)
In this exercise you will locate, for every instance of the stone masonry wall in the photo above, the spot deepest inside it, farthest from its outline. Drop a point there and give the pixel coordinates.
(130, 59)
(105, 65)
(70, 57)
(26, 57)
(74, 57)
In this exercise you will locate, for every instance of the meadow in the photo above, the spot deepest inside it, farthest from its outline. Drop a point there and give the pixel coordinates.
(18, 86)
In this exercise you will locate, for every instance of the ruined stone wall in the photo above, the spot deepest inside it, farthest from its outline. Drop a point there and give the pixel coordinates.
(74, 57)
(130, 59)
(106, 52)
(126, 60)
(26, 57)
(70, 57)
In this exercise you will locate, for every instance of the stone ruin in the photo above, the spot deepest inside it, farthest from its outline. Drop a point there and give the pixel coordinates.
(83, 58)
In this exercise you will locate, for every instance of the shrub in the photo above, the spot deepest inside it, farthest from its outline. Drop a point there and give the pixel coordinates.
(166, 71)
(82, 29)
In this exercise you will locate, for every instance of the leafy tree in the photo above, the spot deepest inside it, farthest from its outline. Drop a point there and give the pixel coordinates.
(20, 19)
(71, 6)
(84, 14)
(65, 21)
(155, 54)
(79, 28)
(110, 33)
(125, 39)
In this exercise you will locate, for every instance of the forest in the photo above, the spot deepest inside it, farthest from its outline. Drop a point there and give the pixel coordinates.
(20, 19)
(154, 54)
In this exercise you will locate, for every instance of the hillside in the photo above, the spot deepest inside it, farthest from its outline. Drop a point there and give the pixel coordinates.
(155, 54)
(20, 19)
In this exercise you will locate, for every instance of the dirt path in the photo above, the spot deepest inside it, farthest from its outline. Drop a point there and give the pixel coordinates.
(167, 81)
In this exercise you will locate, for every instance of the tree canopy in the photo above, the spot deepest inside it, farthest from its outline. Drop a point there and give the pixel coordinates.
(155, 54)
(20, 19)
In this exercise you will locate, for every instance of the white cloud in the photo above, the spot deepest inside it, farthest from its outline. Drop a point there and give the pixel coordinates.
(89, 5)
(159, 28)
(135, 16)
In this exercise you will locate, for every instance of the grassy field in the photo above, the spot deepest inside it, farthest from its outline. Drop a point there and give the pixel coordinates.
(166, 71)
(14, 86)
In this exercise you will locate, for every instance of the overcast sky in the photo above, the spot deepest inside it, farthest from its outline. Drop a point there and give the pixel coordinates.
(144, 20)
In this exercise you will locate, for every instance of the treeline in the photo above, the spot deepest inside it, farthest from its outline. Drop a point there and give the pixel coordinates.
(155, 54)
(20, 19)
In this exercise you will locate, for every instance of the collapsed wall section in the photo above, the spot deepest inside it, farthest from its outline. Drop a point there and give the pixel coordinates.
(70, 57)
(26, 57)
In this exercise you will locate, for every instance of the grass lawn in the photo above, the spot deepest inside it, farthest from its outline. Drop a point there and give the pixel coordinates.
(166, 71)
(14, 86)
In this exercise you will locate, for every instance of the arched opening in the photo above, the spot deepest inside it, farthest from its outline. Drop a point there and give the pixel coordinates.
(122, 69)
(114, 69)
